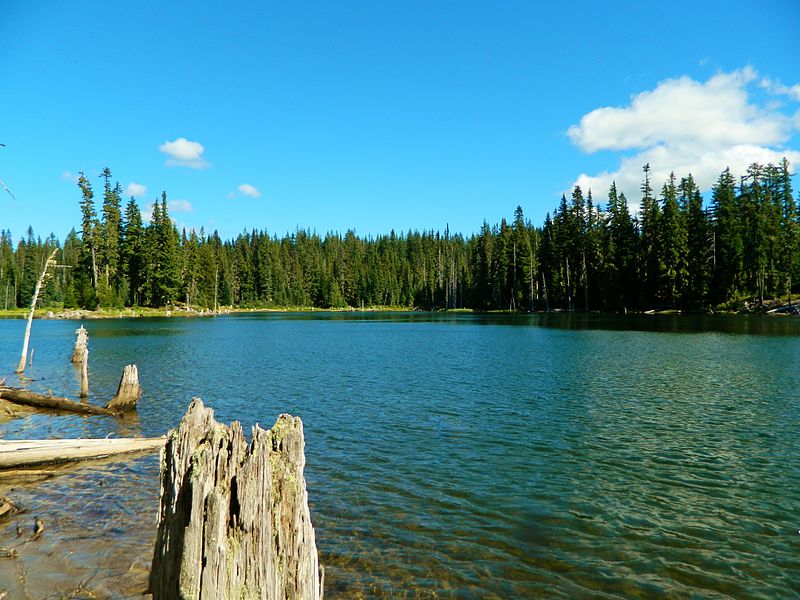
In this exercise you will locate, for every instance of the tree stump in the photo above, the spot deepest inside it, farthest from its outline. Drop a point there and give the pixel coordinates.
(81, 342)
(234, 519)
(128, 391)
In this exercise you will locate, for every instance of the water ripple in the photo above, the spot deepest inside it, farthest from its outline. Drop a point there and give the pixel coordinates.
(461, 456)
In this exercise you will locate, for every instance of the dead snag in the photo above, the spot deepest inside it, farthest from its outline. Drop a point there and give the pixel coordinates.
(234, 520)
(85, 373)
(51, 261)
(81, 342)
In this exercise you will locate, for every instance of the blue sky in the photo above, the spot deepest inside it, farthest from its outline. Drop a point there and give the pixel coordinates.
(383, 115)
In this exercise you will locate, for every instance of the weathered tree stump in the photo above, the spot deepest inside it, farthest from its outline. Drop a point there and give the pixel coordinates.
(234, 520)
(81, 343)
(128, 391)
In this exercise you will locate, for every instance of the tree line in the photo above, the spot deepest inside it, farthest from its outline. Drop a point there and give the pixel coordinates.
(675, 252)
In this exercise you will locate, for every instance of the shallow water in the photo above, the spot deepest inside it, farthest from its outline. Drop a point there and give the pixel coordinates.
(454, 456)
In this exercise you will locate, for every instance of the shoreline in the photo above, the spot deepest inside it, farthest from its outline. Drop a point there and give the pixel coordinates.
(771, 308)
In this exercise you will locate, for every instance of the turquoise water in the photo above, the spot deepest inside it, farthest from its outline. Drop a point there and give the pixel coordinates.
(459, 456)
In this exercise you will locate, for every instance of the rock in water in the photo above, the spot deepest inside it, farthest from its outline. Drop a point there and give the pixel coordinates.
(234, 519)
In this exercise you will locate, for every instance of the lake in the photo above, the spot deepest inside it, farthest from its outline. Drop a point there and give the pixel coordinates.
(453, 455)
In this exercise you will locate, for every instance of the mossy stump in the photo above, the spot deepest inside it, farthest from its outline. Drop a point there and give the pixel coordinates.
(234, 519)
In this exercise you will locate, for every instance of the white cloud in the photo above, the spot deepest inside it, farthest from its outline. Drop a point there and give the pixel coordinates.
(184, 153)
(776, 87)
(244, 189)
(179, 206)
(685, 126)
(69, 176)
(136, 189)
(248, 190)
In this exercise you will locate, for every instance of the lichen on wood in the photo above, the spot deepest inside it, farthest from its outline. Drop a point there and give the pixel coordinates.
(234, 519)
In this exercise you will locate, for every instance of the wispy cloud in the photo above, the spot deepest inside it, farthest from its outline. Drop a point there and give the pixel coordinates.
(69, 176)
(686, 126)
(184, 153)
(179, 206)
(244, 189)
(136, 189)
(776, 87)
(248, 190)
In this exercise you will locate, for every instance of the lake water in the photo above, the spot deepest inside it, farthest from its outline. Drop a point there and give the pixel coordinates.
(453, 456)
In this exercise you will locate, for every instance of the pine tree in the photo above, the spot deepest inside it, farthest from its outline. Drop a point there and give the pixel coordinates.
(132, 252)
(8, 272)
(727, 243)
(699, 244)
(673, 247)
(87, 278)
(621, 281)
(789, 252)
(649, 217)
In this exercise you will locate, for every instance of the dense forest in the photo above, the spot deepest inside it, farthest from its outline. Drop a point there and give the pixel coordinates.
(676, 251)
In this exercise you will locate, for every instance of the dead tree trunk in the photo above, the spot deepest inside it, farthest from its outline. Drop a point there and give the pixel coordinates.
(49, 263)
(128, 392)
(81, 342)
(234, 520)
(85, 373)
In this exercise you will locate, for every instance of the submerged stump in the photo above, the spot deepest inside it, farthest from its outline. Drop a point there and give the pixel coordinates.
(234, 519)
(128, 391)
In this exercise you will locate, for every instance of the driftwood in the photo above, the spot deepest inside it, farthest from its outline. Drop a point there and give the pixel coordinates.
(125, 400)
(8, 507)
(19, 454)
(26, 398)
(81, 343)
(234, 520)
(128, 391)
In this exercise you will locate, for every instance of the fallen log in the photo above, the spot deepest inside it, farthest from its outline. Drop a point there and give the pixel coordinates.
(234, 519)
(27, 398)
(18, 454)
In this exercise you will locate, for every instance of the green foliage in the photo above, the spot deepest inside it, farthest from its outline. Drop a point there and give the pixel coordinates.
(675, 253)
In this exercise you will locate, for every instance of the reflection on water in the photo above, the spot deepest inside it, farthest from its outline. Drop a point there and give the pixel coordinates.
(455, 456)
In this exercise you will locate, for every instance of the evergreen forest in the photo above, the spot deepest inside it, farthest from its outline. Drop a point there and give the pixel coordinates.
(676, 251)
